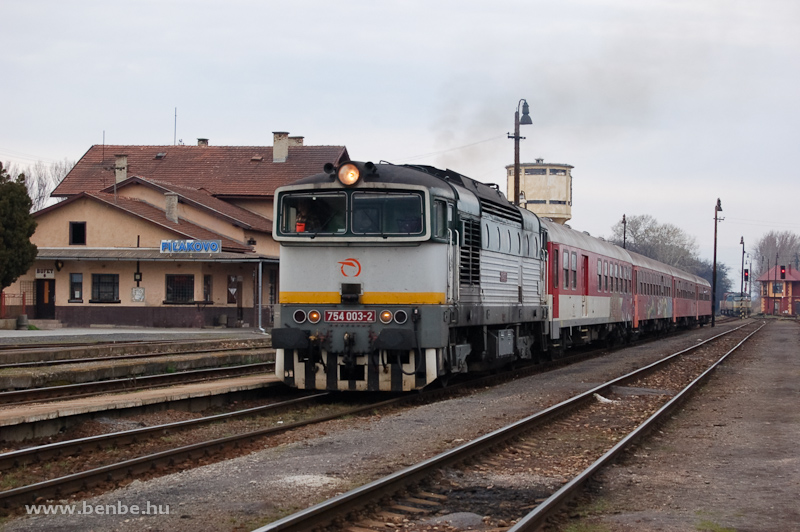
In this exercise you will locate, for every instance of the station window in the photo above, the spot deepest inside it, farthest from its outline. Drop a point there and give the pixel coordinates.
(77, 233)
(105, 288)
(180, 288)
(208, 284)
(76, 288)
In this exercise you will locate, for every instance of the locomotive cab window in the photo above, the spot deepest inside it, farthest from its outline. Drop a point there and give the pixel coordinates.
(387, 213)
(314, 213)
(442, 216)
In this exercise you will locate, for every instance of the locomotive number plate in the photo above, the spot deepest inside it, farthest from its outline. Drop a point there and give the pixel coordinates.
(350, 316)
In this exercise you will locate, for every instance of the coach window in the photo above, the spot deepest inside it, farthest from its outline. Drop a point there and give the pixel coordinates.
(574, 270)
(605, 273)
(555, 269)
(565, 264)
(599, 275)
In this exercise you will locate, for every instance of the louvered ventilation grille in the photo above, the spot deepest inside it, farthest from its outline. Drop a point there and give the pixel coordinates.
(470, 273)
(508, 211)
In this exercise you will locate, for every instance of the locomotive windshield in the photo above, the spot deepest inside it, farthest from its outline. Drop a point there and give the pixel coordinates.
(393, 213)
(314, 213)
(359, 213)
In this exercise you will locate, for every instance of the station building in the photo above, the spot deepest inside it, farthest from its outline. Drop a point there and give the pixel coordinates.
(165, 236)
(780, 291)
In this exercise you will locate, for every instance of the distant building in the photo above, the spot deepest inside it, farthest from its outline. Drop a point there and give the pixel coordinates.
(546, 189)
(168, 236)
(780, 291)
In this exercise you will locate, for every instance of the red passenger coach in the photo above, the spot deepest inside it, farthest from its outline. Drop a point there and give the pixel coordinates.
(590, 285)
(599, 291)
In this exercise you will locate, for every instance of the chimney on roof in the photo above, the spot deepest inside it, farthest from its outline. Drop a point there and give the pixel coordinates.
(295, 141)
(280, 146)
(121, 168)
(203, 143)
(171, 206)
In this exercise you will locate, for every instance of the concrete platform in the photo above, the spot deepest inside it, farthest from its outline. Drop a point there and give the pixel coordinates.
(107, 333)
(75, 373)
(36, 420)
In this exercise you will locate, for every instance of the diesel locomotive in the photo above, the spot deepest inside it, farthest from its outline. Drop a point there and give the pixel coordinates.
(394, 276)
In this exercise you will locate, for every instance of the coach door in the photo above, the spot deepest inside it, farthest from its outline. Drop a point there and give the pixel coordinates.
(585, 285)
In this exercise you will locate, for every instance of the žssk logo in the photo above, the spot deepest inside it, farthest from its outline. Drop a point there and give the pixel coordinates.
(351, 267)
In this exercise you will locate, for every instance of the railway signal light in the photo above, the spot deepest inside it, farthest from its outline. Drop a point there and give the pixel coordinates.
(746, 274)
(783, 272)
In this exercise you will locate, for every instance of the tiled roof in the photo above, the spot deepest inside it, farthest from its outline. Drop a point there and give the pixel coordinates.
(145, 254)
(204, 200)
(225, 171)
(774, 274)
(156, 216)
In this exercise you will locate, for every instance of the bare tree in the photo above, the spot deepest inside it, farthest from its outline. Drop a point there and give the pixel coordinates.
(669, 244)
(666, 243)
(41, 178)
(784, 244)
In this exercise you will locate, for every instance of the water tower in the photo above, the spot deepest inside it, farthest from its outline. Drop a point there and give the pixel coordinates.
(546, 189)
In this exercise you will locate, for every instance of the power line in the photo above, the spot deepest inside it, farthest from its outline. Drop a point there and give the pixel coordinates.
(763, 223)
(431, 154)
(5, 152)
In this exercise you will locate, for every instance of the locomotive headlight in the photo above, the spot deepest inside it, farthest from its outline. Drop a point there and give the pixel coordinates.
(386, 316)
(314, 316)
(348, 174)
(299, 316)
(401, 317)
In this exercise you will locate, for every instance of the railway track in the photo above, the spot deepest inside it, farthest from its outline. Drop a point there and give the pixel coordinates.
(401, 498)
(164, 460)
(169, 460)
(108, 357)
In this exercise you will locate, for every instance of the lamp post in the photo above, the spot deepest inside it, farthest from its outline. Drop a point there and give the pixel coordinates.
(741, 289)
(624, 233)
(774, 285)
(717, 210)
(525, 120)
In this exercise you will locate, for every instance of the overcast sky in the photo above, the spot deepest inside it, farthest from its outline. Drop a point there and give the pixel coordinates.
(662, 106)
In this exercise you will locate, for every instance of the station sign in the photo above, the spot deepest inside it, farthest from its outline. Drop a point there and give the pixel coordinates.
(191, 246)
(45, 273)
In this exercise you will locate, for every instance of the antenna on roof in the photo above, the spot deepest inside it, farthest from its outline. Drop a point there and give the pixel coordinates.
(175, 132)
